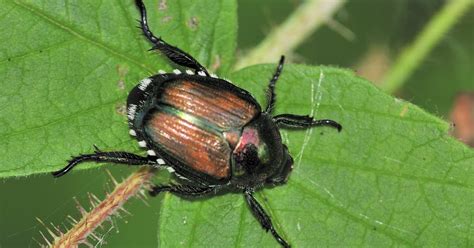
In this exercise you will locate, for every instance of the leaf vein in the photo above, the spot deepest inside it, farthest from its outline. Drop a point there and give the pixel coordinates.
(59, 120)
(83, 37)
(350, 215)
(35, 52)
(379, 172)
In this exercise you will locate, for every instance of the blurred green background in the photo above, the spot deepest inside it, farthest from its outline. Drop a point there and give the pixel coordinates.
(374, 34)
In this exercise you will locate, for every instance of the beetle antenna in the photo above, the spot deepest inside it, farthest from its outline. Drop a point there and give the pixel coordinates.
(173, 53)
(271, 96)
(303, 121)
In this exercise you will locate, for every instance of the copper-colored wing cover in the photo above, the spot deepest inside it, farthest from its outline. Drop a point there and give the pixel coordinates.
(191, 120)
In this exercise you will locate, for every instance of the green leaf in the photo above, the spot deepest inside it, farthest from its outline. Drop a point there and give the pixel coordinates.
(67, 67)
(392, 177)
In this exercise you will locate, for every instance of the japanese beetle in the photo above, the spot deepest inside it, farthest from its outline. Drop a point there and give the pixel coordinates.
(212, 134)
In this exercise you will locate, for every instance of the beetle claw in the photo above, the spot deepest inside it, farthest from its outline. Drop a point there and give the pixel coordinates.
(97, 150)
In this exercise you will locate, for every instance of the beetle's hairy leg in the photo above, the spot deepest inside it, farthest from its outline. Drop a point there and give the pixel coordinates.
(263, 217)
(303, 121)
(111, 157)
(173, 53)
(271, 96)
(183, 190)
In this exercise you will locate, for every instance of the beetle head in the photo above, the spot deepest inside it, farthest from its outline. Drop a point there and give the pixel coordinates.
(260, 157)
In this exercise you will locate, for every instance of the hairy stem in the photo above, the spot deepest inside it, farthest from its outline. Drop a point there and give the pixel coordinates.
(105, 209)
(298, 26)
(414, 54)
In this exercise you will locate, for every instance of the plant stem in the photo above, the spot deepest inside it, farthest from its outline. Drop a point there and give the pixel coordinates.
(104, 210)
(300, 24)
(413, 55)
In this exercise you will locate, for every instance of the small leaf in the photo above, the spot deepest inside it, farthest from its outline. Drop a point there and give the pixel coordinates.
(392, 177)
(67, 68)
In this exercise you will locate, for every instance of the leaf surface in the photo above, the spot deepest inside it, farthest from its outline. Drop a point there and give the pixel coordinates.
(67, 67)
(392, 177)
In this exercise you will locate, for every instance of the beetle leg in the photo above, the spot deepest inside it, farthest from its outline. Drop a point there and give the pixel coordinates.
(173, 53)
(303, 121)
(271, 96)
(112, 157)
(184, 190)
(263, 217)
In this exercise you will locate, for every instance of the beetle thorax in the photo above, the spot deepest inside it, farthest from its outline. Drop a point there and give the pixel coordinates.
(258, 154)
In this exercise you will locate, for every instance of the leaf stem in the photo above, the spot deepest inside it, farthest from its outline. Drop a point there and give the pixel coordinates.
(297, 27)
(104, 210)
(413, 55)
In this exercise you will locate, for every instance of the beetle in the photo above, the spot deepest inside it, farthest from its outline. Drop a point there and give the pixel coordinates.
(212, 134)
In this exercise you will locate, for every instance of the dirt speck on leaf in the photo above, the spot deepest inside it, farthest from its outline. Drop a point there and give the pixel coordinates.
(121, 109)
(404, 110)
(121, 84)
(193, 23)
(162, 5)
(216, 63)
(185, 220)
(166, 19)
(122, 71)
